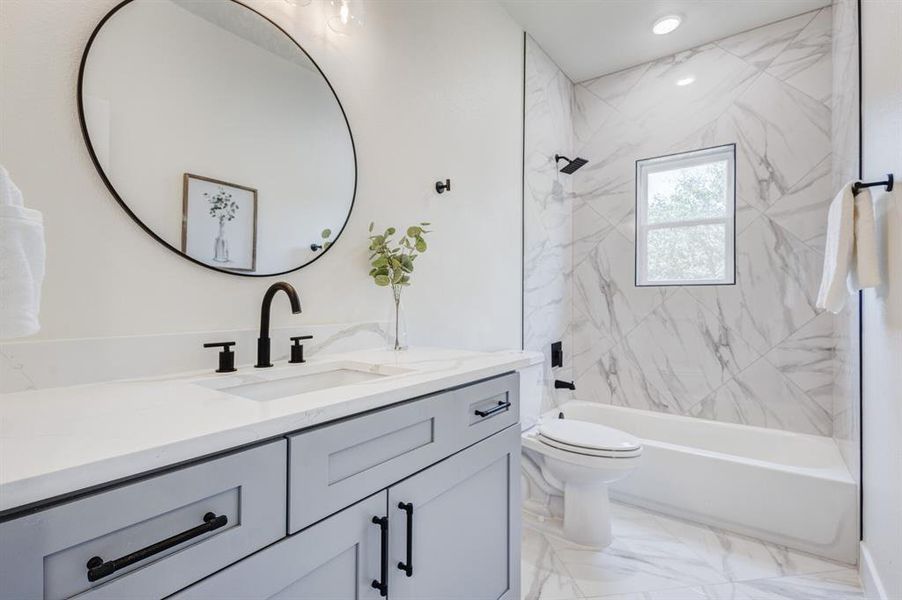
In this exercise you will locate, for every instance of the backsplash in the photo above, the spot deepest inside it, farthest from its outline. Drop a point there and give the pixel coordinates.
(54, 363)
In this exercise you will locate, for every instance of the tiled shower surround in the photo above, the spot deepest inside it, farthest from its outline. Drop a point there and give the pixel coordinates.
(758, 352)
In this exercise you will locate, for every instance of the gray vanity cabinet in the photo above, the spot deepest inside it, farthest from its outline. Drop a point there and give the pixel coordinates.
(336, 559)
(464, 544)
(463, 526)
(152, 537)
(421, 498)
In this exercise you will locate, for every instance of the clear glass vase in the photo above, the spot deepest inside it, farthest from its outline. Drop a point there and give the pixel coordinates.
(397, 323)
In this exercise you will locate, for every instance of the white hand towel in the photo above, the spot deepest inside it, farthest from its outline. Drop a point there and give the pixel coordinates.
(838, 250)
(21, 262)
(865, 272)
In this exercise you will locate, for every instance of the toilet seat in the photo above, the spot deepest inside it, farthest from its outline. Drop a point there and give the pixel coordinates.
(589, 439)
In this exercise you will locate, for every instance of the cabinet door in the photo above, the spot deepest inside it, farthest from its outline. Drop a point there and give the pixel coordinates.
(336, 559)
(464, 526)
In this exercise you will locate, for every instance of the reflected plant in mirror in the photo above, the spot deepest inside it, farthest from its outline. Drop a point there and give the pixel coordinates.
(392, 263)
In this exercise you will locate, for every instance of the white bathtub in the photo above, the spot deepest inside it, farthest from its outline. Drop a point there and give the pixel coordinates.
(789, 488)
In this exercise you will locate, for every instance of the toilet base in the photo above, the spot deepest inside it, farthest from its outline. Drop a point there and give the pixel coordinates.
(587, 515)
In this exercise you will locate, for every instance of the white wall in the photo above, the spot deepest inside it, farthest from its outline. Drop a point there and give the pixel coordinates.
(881, 45)
(431, 89)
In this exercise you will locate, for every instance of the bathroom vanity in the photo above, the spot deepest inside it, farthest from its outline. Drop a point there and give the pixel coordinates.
(393, 485)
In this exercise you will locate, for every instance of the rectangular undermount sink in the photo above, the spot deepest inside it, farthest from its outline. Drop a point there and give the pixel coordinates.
(288, 382)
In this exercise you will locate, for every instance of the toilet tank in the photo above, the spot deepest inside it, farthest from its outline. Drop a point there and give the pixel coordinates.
(531, 380)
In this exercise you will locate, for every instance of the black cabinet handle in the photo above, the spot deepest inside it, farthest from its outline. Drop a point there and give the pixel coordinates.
(97, 569)
(382, 586)
(407, 567)
(502, 405)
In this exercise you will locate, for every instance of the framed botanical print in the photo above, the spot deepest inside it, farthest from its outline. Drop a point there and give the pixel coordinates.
(219, 223)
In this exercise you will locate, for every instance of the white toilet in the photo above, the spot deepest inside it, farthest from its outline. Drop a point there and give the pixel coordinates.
(580, 459)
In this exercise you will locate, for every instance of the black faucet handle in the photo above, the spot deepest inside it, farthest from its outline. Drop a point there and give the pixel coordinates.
(297, 349)
(226, 356)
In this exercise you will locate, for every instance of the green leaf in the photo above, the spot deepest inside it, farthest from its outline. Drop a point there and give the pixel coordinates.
(326, 233)
(371, 226)
(421, 245)
(390, 231)
(380, 262)
(382, 280)
(414, 231)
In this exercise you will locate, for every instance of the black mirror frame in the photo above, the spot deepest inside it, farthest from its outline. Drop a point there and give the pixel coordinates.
(124, 205)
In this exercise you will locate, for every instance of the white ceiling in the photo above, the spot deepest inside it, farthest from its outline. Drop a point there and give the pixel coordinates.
(588, 38)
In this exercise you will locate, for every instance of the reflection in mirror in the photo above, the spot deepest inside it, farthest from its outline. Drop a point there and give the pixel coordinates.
(218, 133)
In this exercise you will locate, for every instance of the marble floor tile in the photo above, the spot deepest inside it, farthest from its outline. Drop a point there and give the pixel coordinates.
(836, 585)
(656, 557)
(740, 558)
(642, 557)
(542, 575)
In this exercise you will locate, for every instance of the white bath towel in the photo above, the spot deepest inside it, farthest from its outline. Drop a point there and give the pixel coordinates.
(838, 251)
(21, 262)
(865, 272)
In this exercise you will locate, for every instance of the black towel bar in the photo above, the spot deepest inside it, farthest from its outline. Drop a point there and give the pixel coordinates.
(858, 185)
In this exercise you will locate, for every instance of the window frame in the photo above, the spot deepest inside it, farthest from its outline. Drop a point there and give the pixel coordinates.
(670, 162)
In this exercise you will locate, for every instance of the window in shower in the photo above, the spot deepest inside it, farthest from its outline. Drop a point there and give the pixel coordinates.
(685, 218)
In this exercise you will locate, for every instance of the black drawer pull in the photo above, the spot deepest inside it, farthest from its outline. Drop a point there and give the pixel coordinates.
(382, 586)
(97, 569)
(502, 406)
(407, 567)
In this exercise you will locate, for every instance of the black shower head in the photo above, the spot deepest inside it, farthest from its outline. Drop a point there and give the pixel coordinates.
(572, 165)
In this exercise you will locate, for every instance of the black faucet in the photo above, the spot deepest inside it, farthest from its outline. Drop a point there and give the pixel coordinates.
(263, 341)
(564, 385)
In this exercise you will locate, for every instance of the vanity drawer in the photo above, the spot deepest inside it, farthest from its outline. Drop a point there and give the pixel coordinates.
(332, 467)
(168, 531)
(488, 407)
(336, 465)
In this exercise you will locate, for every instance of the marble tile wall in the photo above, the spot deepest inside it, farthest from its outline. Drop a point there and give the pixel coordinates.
(759, 352)
(547, 213)
(845, 127)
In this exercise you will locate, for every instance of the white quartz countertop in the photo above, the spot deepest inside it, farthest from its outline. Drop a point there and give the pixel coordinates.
(61, 440)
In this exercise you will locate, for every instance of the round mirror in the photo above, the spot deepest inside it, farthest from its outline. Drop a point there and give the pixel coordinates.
(217, 133)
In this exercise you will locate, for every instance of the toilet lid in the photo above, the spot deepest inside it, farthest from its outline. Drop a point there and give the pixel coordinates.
(583, 435)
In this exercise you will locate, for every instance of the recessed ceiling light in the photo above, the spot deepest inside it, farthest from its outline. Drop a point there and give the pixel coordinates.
(685, 80)
(666, 24)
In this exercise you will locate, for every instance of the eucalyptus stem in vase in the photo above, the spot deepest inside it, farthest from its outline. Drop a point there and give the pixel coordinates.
(392, 262)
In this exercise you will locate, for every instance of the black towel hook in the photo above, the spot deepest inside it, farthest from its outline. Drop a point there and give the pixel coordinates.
(858, 185)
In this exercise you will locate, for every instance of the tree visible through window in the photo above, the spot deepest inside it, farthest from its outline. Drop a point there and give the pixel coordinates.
(684, 218)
